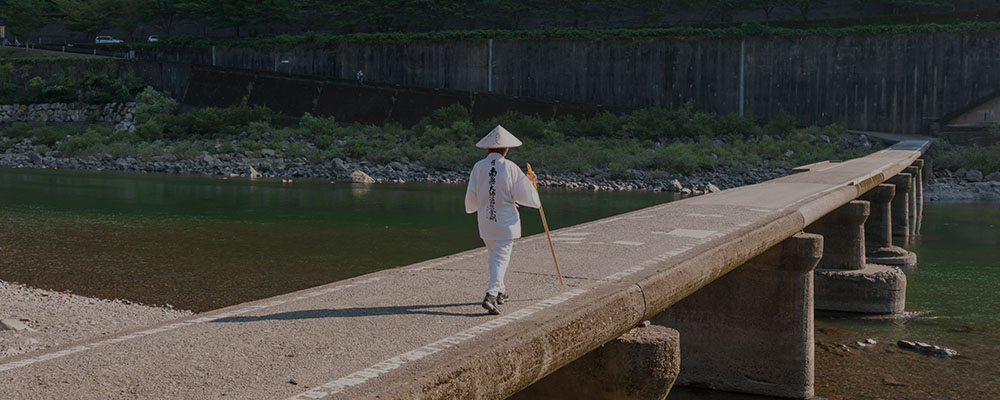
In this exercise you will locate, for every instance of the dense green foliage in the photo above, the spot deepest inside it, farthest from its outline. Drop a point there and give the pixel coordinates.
(985, 159)
(741, 31)
(18, 86)
(653, 139)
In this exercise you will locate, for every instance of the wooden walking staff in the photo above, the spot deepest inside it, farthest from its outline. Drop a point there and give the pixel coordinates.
(545, 224)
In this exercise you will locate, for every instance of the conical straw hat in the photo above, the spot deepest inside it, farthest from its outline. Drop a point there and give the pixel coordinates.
(498, 138)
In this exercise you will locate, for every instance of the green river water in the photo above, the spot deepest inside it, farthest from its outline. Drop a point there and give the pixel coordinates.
(202, 243)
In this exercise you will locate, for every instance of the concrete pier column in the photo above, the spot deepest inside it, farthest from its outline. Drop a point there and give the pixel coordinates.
(844, 280)
(878, 230)
(914, 172)
(901, 204)
(843, 232)
(751, 331)
(920, 194)
(641, 364)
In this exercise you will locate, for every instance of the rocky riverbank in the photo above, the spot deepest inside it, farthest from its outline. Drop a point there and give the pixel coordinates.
(963, 186)
(33, 319)
(269, 163)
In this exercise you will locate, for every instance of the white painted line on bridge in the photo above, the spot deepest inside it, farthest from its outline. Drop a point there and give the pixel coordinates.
(691, 233)
(627, 243)
(567, 239)
(574, 233)
(705, 215)
(679, 251)
(642, 217)
(761, 210)
(381, 368)
(176, 325)
(448, 260)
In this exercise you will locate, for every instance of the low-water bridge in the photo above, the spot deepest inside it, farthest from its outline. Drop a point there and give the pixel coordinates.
(733, 272)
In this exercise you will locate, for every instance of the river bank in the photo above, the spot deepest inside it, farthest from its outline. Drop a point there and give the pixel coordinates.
(963, 186)
(36, 319)
(268, 163)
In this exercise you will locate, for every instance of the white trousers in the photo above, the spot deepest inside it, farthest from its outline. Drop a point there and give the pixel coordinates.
(499, 258)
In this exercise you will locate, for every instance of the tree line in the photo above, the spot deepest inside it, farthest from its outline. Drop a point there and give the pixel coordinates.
(270, 17)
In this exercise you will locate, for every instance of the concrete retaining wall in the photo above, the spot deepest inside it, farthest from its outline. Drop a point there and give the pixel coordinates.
(346, 100)
(895, 83)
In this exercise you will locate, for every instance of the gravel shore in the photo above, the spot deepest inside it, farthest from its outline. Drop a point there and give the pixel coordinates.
(269, 163)
(963, 186)
(43, 318)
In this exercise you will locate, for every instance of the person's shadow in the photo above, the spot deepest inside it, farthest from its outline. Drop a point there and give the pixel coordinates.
(358, 312)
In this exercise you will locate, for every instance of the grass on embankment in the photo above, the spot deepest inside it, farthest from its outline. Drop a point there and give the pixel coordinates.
(657, 140)
(21, 54)
(684, 31)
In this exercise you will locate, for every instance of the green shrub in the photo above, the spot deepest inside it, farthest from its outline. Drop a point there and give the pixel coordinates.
(47, 135)
(216, 122)
(150, 101)
(151, 129)
(19, 130)
(250, 145)
(186, 149)
(103, 88)
(35, 86)
(58, 93)
(318, 126)
(87, 143)
(150, 150)
(780, 125)
(120, 149)
(985, 159)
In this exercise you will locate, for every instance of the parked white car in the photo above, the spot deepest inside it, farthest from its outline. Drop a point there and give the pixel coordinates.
(153, 38)
(106, 39)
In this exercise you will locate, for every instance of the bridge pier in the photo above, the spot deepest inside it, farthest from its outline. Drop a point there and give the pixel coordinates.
(878, 230)
(915, 184)
(751, 331)
(901, 205)
(919, 194)
(844, 279)
(641, 364)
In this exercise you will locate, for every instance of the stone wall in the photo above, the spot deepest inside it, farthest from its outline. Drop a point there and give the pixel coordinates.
(120, 114)
(894, 83)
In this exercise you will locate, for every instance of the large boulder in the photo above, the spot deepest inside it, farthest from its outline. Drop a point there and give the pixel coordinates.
(359, 176)
(993, 177)
(974, 175)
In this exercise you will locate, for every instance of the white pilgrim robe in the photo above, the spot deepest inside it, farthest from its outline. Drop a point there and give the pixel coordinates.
(496, 186)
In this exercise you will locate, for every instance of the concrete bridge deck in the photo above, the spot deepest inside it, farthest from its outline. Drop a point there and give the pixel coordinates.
(418, 331)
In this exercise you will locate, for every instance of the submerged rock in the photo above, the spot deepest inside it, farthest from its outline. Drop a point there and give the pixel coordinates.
(927, 349)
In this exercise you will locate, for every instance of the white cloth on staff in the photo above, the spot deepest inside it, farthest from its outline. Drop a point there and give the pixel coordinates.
(496, 186)
(499, 259)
